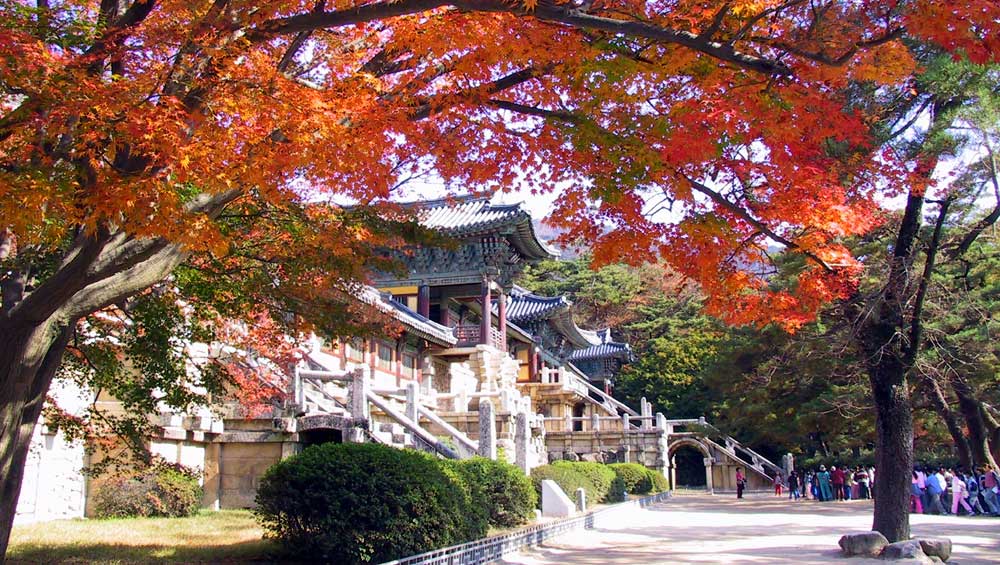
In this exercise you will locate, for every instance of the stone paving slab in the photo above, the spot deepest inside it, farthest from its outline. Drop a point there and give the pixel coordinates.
(719, 529)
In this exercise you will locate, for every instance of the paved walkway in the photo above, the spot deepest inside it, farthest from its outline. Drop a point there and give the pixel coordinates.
(719, 529)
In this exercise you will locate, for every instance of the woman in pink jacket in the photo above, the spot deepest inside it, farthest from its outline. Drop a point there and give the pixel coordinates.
(958, 493)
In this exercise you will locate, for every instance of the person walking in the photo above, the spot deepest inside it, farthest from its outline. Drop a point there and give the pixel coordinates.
(959, 493)
(990, 484)
(916, 493)
(972, 487)
(942, 481)
(741, 482)
(934, 491)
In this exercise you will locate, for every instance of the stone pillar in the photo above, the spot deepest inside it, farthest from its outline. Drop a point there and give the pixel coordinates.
(788, 463)
(412, 398)
(487, 430)
(626, 453)
(661, 422)
(595, 422)
(581, 500)
(212, 473)
(709, 462)
(424, 301)
(646, 410)
(673, 473)
(625, 422)
(502, 319)
(522, 440)
(569, 420)
(359, 393)
(486, 299)
(289, 448)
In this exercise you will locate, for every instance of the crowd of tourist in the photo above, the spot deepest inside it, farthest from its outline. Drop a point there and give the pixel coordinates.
(948, 491)
(934, 491)
(841, 483)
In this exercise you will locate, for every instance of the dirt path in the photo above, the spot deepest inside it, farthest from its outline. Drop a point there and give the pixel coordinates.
(720, 529)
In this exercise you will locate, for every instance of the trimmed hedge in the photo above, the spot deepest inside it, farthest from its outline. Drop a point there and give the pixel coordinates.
(362, 503)
(599, 474)
(168, 490)
(637, 478)
(568, 479)
(660, 482)
(502, 489)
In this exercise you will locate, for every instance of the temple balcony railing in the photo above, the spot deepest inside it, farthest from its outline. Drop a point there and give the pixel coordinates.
(471, 334)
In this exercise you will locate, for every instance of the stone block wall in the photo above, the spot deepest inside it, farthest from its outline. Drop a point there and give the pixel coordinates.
(53, 486)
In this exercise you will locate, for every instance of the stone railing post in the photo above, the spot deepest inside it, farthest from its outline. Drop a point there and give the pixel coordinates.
(581, 500)
(647, 412)
(569, 422)
(487, 430)
(595, 422)
(522, 439)
(412, 400)
(360, 384)
(624, 422)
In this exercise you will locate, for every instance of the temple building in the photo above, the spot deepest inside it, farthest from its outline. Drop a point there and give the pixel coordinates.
(480, 366)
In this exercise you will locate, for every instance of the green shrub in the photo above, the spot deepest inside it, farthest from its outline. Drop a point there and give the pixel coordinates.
(659, 482)
(504, 490)
(599, 474)
(568, 479)
(635, 477)
(361, 503)
(618, 491)
(166, 490)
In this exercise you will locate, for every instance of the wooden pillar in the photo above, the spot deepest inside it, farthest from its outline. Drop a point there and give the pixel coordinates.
(533, 363)
(398, 354)
(486, 324)
(424, 301)
(445, 313)
(502, 317)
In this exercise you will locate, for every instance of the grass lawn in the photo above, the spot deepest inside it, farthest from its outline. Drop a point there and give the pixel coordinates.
(209, 537)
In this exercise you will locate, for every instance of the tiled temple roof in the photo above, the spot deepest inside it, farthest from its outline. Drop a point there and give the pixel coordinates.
(413, 321)
(463, 216)
(525, 306)
(604, 350)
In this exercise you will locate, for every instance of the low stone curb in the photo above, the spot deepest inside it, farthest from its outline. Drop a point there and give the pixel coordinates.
(490, 549)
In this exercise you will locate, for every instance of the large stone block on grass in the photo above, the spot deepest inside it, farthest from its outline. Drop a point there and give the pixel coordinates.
(555, 503)
(869, 544)
(936, 547)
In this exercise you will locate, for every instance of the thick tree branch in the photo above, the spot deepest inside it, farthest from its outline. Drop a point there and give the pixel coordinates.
(555, 13)
(916, 314)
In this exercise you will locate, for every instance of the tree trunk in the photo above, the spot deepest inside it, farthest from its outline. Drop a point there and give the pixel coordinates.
(893, 451)
(972, 410)
(29, 357)
(940, 402)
